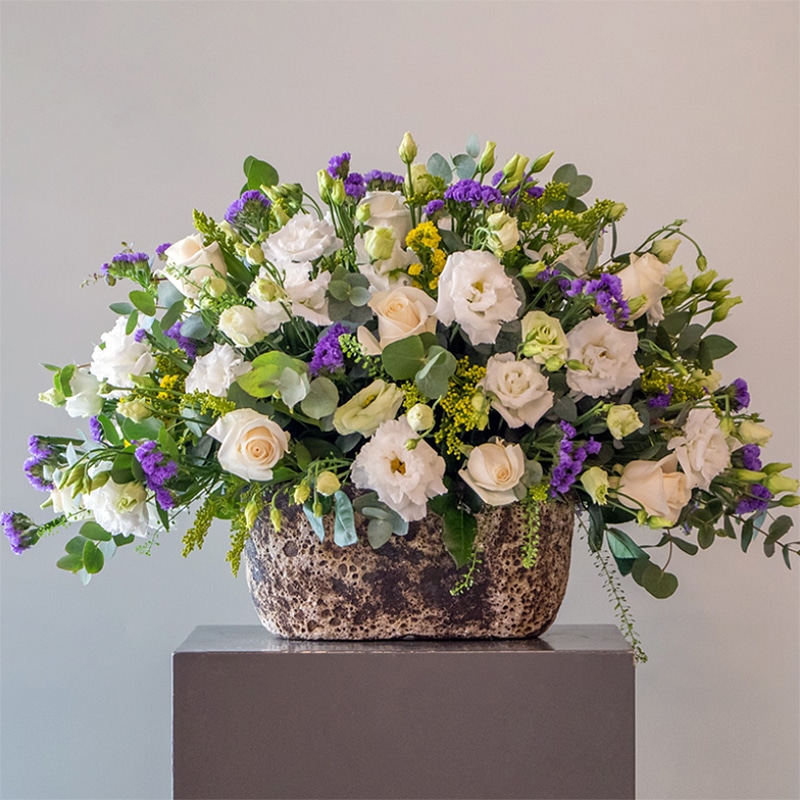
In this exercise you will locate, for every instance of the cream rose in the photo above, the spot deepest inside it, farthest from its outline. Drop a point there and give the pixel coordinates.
(216, 371)
(656, 486)
(402, 312)
(608, 355)
(388, 210)
(475, 291)
(189, 262)
(519, 389)
(494, 471)
(543, 337)
(644, 278)
(368, 409)
(246, 326)
(302, 238)
(702, 451)
(251, 444)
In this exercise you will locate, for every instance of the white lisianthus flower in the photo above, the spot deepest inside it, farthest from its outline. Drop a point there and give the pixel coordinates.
(119, 356)
(402, 312)
(494, 471)
(189, 262)
(388, 210)
(368, 409)
(521, 394)
(379, 243)
(216, 371)
(302, 238)
(644, 277)
(576, 257)
(622, 421)
(134, 408)
(710, 380)
(308, 296)
(595, 481)
(504, 234)
(119, 507)
(246, 326)
(251, 443)
(656, 486)
(420, 417)
(702, 451)
(750, 432)
(543, 337)
(64, 503)
(608, 355)
(475, 291)
(84, 400)
(404, 479)
(384, 274)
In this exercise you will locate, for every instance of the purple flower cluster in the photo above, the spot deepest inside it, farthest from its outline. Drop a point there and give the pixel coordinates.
(339, 166)
(607, 292)
(251, 205)
(123, 259)
(328, 354)
(570, 460)
(34, 466)
(139, 335)
(756, 500)
(547, 274)
(473, 193)
(355, 186)
(497, 177)
(162, 248)
(158, 469)
(95, 429)
(662, 400)
(20, 530)
(383, 181)
(741, 394)
(187, 345)
(433, 207)
(534, 191)
(751, 457)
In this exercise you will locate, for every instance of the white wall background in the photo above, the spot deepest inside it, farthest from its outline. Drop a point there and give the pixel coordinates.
(119, 118)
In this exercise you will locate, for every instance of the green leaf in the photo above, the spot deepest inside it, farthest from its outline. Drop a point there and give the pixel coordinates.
(651, 577)
(459, 531)
(359, 296)
(302, 455)
(75, 545)
(344, 526)
(452, 241)
(580, 186)
(779, 528)
(786, 558)
(146, 429)
(403, 359)
(168, 294)
(109, 430)
(144, 302)
(690, 337)
(438, 166)
(717, 346)
(622, 546)
(687, 547)
(473, 147)
(91, 530)
(379, 531)
(64, 378)
(748, 529)
(133, 321)
(705, 537)
(465, 166)
(597, 526)
(566, 409)
(195, 327)
(121, 308)
(316, 522)
(259, 173)
(322, 398)
(92, 558)
(566, 173)
(70, 562)
(674, 323)
(172, 315)
(120, 540)
(433, 380)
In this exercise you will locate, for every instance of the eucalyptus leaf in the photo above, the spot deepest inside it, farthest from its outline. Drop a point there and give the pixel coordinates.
(473, 147)
(403, 359)
(322, 398)
(316, 523)
(259, 173)
(70, 562)
(379, 531)
(143, 301)
(433, 380)
(91, 530)
(93, 558)
(344, 526)
(438, 166)
(690, 336)
(465, 166)
(133, 321)
(195, 327)
(121, 308)
(359, 296)
(75, 545)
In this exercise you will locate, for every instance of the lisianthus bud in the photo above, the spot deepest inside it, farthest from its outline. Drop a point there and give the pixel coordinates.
(701, 283)
(721, 310)
(52, 398)
(327, 483)
(317, 508)
(420, 417)
(324, 184)
(338, 193)
(279, 212)
(301, 492)
(753, 433)
(702, 263)
(617, 211)
(379, 243)
(595, 481)
(664, 249)
(504, 233)
(530, 271)
(660, 522)
(542, 162)
(134, 409)
(251, 513)
(748, 475)
(622, 421)
(407, 149)
(216, 287)
(226, 228)
(276, 518)
(486, 161)
(514, 170)
(676, 280)
(776, 466)
(789, 501)
(254, 254)
(363, 213)
(710, 380)
(778, 483)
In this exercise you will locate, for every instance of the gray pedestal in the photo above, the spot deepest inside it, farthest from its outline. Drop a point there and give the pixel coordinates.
(260, 717)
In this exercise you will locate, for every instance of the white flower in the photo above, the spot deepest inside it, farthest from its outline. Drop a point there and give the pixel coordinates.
(402, 312)
(576, 257)
(521, 394)
(494, 470)
(420, 417)
(750, 432)
(504, 234)
(119, 356)
(84, 400)
(386, 273)
(246, 326)
(655, 485)
(302, 238)
(543, 337)
(404, 479)
(703, 449)
(368, 409)
(251, 443)
(595, 482)
(388, 210)
(216, 371)
(644, 278)
(64, 503)
(475, 291)
(307, 295)
(608, 355)
(119, 507)
(189, 263)
(622, 421)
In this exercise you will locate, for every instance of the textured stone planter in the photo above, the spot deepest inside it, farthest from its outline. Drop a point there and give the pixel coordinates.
(306, 589)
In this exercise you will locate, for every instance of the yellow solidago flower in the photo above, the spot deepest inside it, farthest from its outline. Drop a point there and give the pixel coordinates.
(424, 235)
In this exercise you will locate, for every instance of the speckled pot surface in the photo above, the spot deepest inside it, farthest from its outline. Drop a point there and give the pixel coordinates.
(306, 589)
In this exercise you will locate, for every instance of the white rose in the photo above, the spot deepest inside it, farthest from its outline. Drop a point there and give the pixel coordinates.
(216, 371)
(402, 312)
(521, 394)
(644, 278)
(189, 262)
(494, 471)
(119, 507)
(119, 356)
(703, 449)
(475, 291)
(368, 409)
(607, 353)
(404, 479)
(251, 444)
(656, 486)
(388, 210)
(302, 238)
(85, 400)
(246, 326)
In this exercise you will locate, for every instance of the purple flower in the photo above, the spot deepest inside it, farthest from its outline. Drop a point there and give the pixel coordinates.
(139, 335)
(162, 248)
(433, 207)
(355, 186)
(547, 273)
(497, 177)
(187, 345)
(95, 429)
(39, 449)
(339, 166)
(607, 291)
(250, 207)
(570, 460)
(104, 269)
(328, 354)
(34, 467)
(571, 288)
(741, 395)
(158, 468)
(661, 400)
(20, 530)
(751, 457)
(472, 193)
(383, 181)
(756, 500)
(534, 191)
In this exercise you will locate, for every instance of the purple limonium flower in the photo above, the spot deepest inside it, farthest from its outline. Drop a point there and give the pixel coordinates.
(534, 191)
(40, 449)
(571, 459)
(661, 400)
(741, 394)
(20, 530)
(472, 193)
(95, 429)
(355, 186)
(34, 466)
(751, 457)
(187, 345)
(104, 268)
(339, 166)
(130, 258)
(328, 356)
(383, 181)
(546, 274)
(158, 468)
(607, 291)
(252, 204)
(162, 248)
(571, 288)
(497, 177)
(140, 334)
(433, 207)
(756, 499)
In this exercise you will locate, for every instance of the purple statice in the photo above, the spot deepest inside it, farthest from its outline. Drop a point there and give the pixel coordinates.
(158, 468)
(38, 448)
(20, 531)
(251, 206)
(755, 500)
(751, 457)
(571, 288)
(497, 177)
(130, 258)
(662, 400)
(95, 429)
(741, 395)
(41, 453)
(472, 193)
(534, 191)
(433, 207)
(570, 459)
(339, 166)
(162, 249)
(139, 335)
(328, 356)
(546, 274)
(607, 292)
(104, 268)
(383, 181)
(187, 345)
(355, 186)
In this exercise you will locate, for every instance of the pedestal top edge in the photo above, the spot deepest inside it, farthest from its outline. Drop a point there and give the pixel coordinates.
(256, 639)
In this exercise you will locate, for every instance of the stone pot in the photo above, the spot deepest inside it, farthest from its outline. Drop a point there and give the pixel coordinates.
(306, 589)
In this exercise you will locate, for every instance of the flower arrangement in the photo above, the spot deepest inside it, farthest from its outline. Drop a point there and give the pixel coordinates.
(444, 339)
